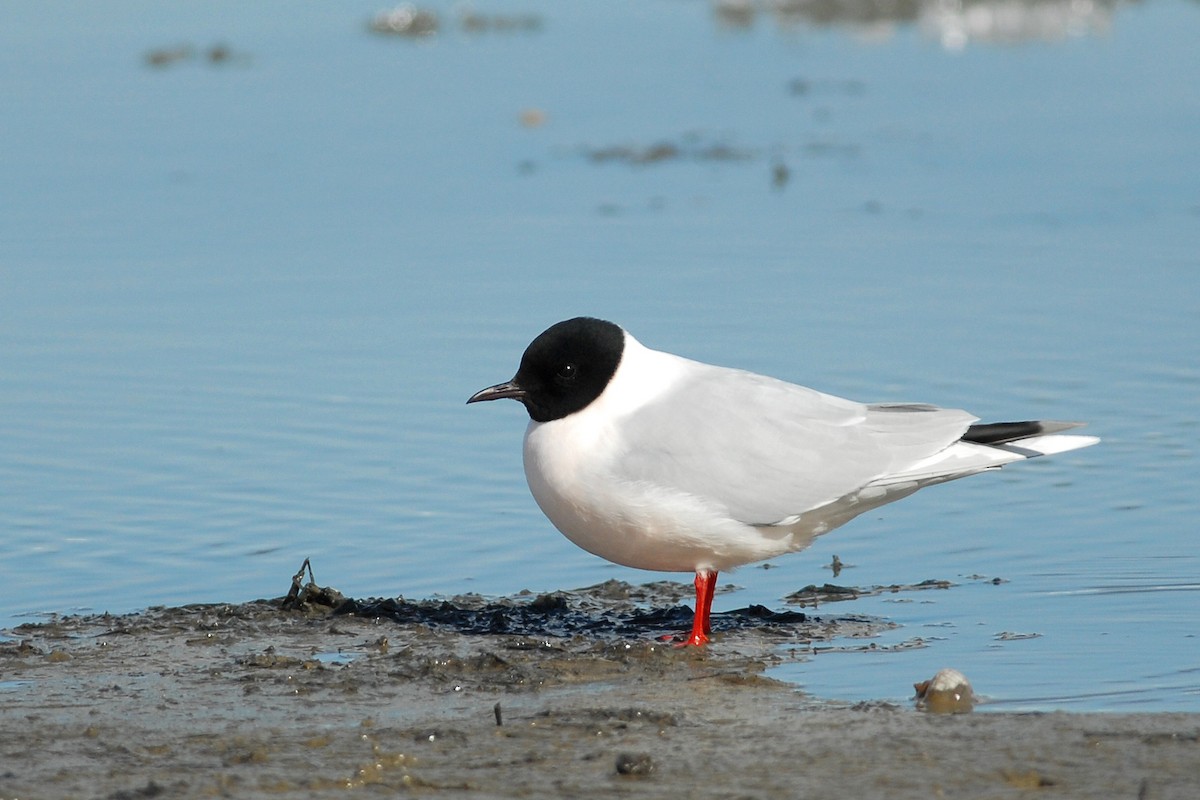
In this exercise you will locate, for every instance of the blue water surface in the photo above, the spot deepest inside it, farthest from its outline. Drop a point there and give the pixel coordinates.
(244, 294)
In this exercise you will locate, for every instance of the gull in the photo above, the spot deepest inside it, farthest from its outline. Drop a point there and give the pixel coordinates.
(659, 462)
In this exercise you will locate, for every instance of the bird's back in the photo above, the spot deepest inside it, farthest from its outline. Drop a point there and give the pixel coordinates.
(767, 450)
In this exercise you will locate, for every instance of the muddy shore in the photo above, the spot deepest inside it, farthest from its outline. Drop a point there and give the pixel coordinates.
(563, 695)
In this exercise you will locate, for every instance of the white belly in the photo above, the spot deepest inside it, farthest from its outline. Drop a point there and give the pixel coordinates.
(633, 523)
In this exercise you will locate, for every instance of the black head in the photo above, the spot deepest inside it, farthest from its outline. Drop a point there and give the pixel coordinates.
(563, 369)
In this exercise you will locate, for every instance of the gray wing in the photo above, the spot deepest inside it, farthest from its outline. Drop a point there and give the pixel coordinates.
(768, 450)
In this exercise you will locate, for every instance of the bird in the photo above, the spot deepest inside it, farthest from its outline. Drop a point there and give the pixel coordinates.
(659, 462)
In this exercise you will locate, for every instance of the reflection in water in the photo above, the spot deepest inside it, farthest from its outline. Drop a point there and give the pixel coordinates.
(954, 23)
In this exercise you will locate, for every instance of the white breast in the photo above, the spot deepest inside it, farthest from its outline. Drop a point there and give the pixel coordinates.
(569, 467)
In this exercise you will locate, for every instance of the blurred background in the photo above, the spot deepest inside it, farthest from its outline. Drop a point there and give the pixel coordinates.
(254, 259)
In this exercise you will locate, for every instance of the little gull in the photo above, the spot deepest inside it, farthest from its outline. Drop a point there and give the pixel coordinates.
(659, 462)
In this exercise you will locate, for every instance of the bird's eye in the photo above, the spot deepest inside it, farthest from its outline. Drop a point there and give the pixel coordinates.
(567, 372)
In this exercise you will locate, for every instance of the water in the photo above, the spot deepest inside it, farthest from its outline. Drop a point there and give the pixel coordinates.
(242, 303)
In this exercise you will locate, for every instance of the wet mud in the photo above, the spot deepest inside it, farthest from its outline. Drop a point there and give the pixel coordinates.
(568, 694)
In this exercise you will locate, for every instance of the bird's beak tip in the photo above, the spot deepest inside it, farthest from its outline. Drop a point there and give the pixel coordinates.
(497, 392)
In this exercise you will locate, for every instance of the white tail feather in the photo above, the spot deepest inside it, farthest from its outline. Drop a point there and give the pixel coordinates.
(967, 458)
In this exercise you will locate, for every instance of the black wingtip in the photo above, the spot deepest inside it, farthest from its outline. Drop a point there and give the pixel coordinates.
(1003, 432)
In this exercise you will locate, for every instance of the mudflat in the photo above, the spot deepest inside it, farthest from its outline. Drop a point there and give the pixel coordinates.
(565, 695)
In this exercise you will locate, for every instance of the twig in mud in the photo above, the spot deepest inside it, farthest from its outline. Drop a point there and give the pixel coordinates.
(293, 594)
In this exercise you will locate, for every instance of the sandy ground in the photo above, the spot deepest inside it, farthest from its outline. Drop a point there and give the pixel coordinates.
(465, 698)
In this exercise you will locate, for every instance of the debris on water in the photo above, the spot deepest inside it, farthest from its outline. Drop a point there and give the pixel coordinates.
(409, 20)
(803, 87)
(947, 692)
(216, 54)
(405, 19)
(473, 22)
(532, 118)
(689, 147)
(813, 595)
(166, 56)
(219, 53)
(734, 13)
(780, 174)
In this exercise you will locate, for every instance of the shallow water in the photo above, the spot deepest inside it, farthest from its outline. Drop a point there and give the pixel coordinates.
(243, 300)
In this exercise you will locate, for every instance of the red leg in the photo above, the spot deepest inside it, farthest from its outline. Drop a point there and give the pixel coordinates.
(710, 589)
(706, 586)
